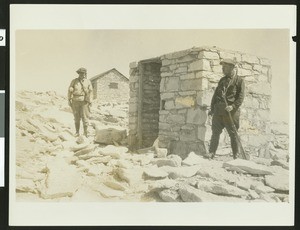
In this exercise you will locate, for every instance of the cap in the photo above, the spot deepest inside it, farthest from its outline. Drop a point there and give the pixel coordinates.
(81, 70)
(228, 61)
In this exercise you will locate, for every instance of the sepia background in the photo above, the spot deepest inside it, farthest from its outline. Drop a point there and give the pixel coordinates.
(49, 58)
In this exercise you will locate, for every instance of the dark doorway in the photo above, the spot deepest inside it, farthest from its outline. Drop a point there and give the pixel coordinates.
(149, 102)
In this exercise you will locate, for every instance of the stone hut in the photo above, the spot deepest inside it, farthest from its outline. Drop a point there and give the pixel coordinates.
(110, 86)
(170, 96)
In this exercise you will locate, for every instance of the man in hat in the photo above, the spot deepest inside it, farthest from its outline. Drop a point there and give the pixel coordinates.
(232, 87)
(80, 97)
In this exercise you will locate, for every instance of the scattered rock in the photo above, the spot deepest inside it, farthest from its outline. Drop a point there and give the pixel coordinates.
(154, 172)
(281, 163)
(113, 151)
(132, 176)
(25, 185)
(264, 189)
(170, 195)
(124, 164)
(248, 166)
(193, 159)
(108, 192)
(161, 152)
(180, 172)
(88, 149)
(115, 185)
(163, 184)
(220, 188)
(279, 182)
(172, 160)
(56, 185)
(109, 135)
(253, 194)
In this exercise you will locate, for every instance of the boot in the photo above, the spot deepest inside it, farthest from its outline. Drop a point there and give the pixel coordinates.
(209, 155)
(77, 127)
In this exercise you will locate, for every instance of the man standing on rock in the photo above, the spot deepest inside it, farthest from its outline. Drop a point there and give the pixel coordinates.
(80, 97)
(231, 88)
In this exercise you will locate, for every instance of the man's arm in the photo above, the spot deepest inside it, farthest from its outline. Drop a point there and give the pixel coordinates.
(70, 92)
(240, 95)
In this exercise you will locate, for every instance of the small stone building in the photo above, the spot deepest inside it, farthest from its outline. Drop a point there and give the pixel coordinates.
(170, 95)
(110, 86)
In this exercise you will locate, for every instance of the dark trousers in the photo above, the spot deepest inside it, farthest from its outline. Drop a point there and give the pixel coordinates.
(219, 121)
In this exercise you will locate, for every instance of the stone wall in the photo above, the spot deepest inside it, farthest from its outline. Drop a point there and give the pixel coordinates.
(188, 80)
(104, 93)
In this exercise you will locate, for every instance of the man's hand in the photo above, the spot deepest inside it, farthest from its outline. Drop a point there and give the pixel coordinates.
(229, 108)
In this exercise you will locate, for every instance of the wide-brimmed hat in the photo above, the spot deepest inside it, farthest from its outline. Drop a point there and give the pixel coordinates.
(81, 70)
(228, 61)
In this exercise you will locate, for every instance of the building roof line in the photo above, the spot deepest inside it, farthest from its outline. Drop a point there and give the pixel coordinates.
(104, 73)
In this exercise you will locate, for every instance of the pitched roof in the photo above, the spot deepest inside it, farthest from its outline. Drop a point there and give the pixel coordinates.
(103, 74)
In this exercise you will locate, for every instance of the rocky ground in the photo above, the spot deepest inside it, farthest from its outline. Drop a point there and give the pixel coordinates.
(53, 165)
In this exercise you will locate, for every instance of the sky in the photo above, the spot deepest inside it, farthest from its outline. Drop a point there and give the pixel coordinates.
(48, 59)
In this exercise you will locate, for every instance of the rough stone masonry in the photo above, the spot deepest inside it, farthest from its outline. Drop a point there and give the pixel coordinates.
(182, 84)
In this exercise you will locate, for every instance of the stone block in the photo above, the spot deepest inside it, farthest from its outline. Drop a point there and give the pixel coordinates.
(133, 65)
(263, 78)
(164, 96)
(188, 76)
(164, 126)
(187, 135)
(186, 58)
(166, 74)
(250, 59)
(166, 62)
(109, 135)
(208, 55)
(257, 68)
(244, 72)
(246, 66)
(164, 69)
(193, 84)
(201, 64)
(187, 93)
(176, 118)
(217, 69)
(263, 114)
(177, 55)
(171, 84)
(204, 133)
(260, 88)
(196, 116)
(225, 55)
(264, 61)
(184, 102)
(183, 148)
(181, 69)
(133, 78)
(169, 105)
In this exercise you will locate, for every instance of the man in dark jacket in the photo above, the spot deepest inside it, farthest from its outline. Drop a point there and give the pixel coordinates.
(80, 96)
(233, 87)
